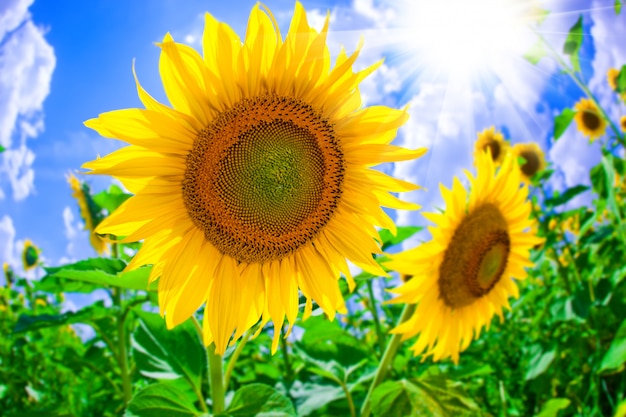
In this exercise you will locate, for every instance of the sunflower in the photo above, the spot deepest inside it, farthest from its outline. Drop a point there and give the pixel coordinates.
(588, 119)
(30, 255)
(534, 159)
(494, 141)
(87, 213)
(611, 76)
(256, 183)
(622, 123)
(464, 275)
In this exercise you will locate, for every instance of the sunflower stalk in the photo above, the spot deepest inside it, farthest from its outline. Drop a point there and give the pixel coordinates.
(387, 360)
(233, 359)
(122, 351)
(380, 337)
(217, 379)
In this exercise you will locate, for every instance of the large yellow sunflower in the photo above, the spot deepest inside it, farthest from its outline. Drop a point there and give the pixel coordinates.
(534, 159)
(588, 119)
(494, 141)
(257, 181)
(81, 194)
(464, 275)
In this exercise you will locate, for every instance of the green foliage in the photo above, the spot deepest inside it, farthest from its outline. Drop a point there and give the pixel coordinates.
(573, 42)
(259, 400)
(166, 398)
(562, 121)
(536, 52)
(621, 80)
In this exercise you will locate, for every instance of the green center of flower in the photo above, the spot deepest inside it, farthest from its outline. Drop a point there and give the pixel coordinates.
(264, 178)
(476, 257)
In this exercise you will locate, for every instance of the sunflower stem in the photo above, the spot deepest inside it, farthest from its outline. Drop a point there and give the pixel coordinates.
(122, 352)
(233, 359)
(217, 380)
(379, 331)
(387, 360)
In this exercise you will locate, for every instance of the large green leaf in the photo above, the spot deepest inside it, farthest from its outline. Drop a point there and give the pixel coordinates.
(259, 400)
(311, 397)
(403, 233)
(618, 6)
(93, 312)
(566, 196)
(562, 121)
(167, 398)
(539, 364)
(552, 407)
(111, 198)
(98, 273)
(573, 42)
(168, 354)
(615, 358)
(621, 80)
(431, 396)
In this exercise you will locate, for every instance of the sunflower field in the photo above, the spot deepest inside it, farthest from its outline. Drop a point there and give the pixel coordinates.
(254, 263)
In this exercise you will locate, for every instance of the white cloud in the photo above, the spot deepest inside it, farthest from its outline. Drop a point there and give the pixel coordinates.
(26, 65)
(9, 251)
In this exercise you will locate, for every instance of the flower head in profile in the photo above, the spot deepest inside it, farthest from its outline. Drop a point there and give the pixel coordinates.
(622, 123)
(494, 141)
(30, 255)
(588, 119)
(465, 274)
(88, 212)
(533, 162)
(256, 183)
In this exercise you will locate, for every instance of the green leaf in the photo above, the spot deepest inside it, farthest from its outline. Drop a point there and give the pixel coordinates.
(573, 42)
(615, 358)
(618, 6)
(403, 233)
(621, 80)
(260, 400)
(104, 272)
(536, 52)
(566, 196)
(161, 399)
(2, 149)
(327, 341)
(552, 407)
(168, 354)
(433, 396)
(112, 198)
(93, 312)
(539, 364)
(311, 397)
(562, 121)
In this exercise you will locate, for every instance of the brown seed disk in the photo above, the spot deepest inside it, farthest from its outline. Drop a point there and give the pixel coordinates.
(591, 120)
(264, 178)
(476, 257)
(494, 147)
(531, 166)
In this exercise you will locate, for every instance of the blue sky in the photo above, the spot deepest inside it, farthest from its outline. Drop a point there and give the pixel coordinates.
(63, 63)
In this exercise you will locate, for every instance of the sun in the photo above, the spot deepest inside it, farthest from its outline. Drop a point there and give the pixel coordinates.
(455, 36)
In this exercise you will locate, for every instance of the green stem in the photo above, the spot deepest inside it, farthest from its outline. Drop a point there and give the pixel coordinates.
(233, 359)
(583, 87)
(289, 377)
(122, 351)
(387, 359)
(217, 380)
(379, 332)
(344, 386)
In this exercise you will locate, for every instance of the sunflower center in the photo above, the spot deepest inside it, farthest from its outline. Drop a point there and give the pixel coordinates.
(476, 257)
(494, 147)
(591, 120)
(531, 166)
(264, 178)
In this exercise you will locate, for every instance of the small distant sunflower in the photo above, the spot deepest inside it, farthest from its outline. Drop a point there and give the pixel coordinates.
(30, 255)
(622, 123)
(588, 119)
(611, 76)
(464, 275)
(256, 183)
(87, 213)
(8, 274)
(534, 158)
(494, 141)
